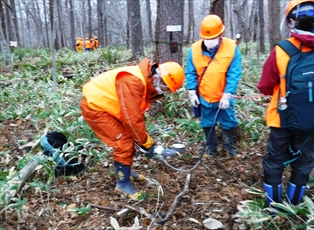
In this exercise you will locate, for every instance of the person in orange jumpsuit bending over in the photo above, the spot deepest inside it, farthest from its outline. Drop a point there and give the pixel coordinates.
(113, 105)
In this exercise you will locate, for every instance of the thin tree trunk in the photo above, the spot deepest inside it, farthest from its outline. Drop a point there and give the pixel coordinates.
(5, 47)
(90, 23)
(190, 32)
(72, 25)
(15, 21)
(135, 27)
(261, 26)
(149, 19)
(46, 24)
(100, 21)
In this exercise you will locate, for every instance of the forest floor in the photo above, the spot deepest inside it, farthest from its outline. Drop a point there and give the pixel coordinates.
(216, 187)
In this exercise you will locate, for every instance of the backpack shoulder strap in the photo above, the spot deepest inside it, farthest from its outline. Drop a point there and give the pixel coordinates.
(288, 47)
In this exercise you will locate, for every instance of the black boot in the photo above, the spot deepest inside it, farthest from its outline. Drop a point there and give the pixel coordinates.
(211, 141)
(227, 141)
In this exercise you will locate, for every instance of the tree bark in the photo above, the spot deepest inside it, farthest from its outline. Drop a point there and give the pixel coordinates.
(261, 26)
(274, 26)
(46, 23)
(135, 28)
(149, 20)
(190, 32)
(218, 7)
(90, 24)
(72, 25)
(169, 13)
(5, 47)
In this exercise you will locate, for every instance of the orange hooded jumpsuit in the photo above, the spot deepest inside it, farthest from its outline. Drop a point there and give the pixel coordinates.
(113, 105)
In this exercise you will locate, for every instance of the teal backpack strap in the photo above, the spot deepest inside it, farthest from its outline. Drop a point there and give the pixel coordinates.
(288, 47)
(298, 153)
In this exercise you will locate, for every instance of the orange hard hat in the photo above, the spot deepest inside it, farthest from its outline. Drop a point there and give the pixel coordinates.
(211, 27)
(172, 74)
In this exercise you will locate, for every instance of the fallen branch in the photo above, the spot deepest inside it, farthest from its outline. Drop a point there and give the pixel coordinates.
(172, 207)
(19, 179)
(176, 201)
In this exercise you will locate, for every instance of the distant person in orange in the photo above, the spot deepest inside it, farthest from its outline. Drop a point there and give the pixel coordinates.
(96, 42)
(92, 44)
(87, 45)
(79, 45)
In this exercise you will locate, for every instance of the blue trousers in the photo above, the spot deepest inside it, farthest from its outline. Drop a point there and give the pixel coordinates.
(226, 118)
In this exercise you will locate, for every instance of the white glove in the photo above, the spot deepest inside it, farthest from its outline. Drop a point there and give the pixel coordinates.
(194, 98)
(225, 101)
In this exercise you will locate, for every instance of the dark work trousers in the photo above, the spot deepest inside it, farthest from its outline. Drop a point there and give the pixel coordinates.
(278, 153)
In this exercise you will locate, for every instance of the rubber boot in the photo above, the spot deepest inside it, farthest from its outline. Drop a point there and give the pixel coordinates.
(273, 193)
(295, 192)
(211, 141)
(136, 177)
(227, 141)
(124, 185)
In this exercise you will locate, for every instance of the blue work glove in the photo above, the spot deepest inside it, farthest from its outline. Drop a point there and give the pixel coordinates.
(150, 151)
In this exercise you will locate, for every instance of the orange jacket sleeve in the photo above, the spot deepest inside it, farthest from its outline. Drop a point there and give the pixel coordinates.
(130, 91)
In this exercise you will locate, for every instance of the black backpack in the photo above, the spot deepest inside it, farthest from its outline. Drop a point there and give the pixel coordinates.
(298, 113)
(53, 143)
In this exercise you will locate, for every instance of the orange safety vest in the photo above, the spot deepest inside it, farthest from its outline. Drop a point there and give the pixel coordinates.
(282, 58)
(87, 44)
(213, 83)
(101, 93)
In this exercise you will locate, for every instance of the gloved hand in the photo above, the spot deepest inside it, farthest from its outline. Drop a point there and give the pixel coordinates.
(194, 98)
(149, 146)
(225, 101)
(150, 151)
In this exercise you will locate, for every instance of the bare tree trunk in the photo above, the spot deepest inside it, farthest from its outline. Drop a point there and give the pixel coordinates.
(16, 25)
(135, 27)
(2, 17)
(218, 7)
(5, 47)
(149, 19)
(261, 26)
(190, 33)
(38, 22)
(22, 38)
(72, 25)
(274, 26)
(46, 23)
(90, 24)
(61, 31)
(100, 20)
(53, 12)
(8, 23)
(169, 12)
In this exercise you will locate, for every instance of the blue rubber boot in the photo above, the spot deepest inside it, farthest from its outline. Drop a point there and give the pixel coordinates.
(228, 140)
(136, 177)
(211, 141)
(273, 193)
(295, 192)
(124, 185)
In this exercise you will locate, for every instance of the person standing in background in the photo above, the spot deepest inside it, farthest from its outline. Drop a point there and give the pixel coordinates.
(213, 70)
